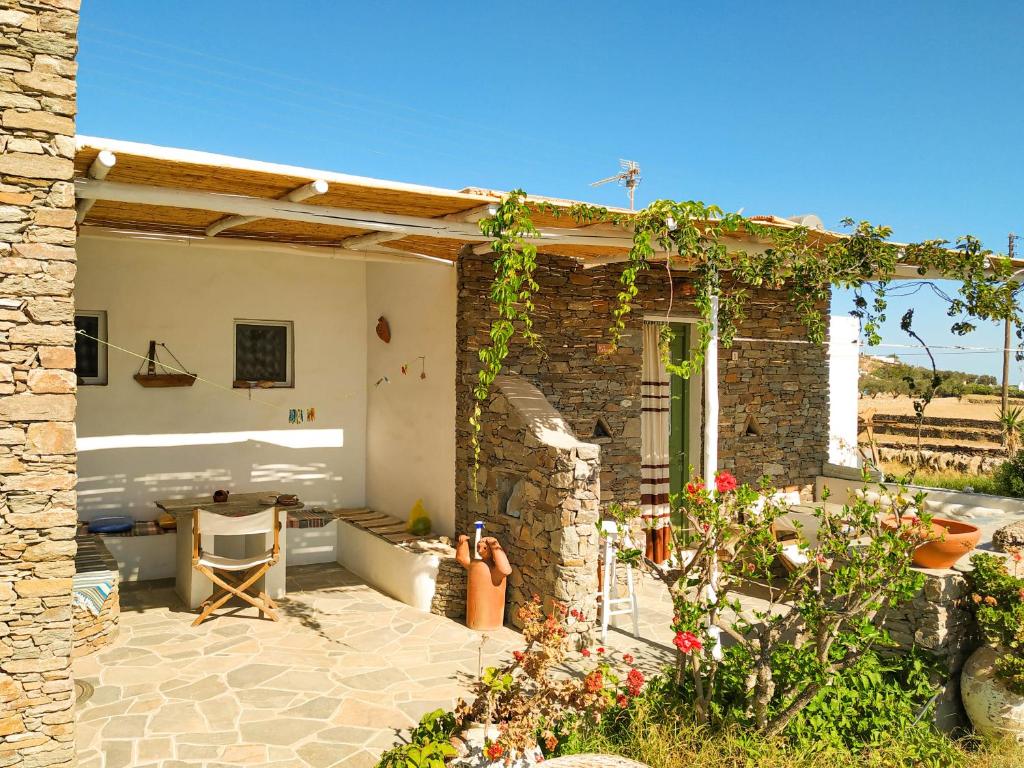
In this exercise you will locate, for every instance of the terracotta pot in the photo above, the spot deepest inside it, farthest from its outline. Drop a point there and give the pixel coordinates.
(948, 544)
(994, 709)
(486, 581)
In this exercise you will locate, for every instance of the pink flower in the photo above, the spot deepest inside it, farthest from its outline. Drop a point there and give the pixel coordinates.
(725, 482)
(627, 658)
(586, 653)
(687, 642)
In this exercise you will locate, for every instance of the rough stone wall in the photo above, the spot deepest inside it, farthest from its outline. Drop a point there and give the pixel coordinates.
(939, 621)
(450, 590)
(538, 492)
(37, 385)
(784, 386)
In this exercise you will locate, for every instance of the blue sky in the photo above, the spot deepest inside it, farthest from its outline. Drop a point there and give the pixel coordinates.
(908, 114)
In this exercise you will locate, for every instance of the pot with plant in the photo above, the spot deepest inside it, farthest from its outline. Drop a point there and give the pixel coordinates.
(521, 710)
(992, 680)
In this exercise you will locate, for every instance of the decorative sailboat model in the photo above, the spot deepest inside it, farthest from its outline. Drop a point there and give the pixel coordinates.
(159, 375)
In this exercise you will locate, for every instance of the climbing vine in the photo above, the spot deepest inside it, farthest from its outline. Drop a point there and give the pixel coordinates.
(710, 244)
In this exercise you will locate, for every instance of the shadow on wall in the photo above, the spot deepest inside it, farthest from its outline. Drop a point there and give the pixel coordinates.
(125, 474)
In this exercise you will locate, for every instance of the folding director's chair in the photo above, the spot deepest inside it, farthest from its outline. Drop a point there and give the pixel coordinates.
(234, 576)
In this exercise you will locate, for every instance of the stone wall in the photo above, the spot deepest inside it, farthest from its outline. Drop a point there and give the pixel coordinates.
(538, 492)
(938, 620)
(783, 386)
(37, 384)
(450, 590)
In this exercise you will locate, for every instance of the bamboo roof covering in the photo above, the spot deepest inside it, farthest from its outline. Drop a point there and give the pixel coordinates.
(228, 201)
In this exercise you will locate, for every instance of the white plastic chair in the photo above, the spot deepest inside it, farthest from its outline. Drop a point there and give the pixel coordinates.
(610, 534)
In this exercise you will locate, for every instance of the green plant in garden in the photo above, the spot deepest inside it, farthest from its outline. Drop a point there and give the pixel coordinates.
(429, 744)
(819, 620)
(531, 701)
(1011, 424)
(1009, 476)
(998, 600)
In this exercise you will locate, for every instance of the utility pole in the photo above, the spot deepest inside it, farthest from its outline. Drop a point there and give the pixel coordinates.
(1007, 329)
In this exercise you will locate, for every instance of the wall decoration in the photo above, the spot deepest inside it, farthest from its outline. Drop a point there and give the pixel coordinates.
(383, 329)
(160, 375)
(311, 414)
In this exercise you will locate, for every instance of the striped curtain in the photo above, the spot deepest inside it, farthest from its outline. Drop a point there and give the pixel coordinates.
(655, 399)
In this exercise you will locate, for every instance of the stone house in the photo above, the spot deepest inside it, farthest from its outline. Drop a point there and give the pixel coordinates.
(248, 271)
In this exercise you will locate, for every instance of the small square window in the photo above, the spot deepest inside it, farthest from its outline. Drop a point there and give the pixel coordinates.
(263, 352)
(91, 347)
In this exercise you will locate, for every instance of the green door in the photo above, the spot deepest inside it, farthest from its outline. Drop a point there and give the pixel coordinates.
(678, 431)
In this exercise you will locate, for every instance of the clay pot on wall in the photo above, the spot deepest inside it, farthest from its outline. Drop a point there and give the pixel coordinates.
(944, 542)
(993, 708)
(947, 545)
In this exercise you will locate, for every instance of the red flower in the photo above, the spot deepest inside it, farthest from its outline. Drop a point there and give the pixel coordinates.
(494, 751)
(627, 658)
(585, 653)
(725, 482)
(687, 642)
(622, 701)
(635, 681)
(692, 489)
(594, 682)
(600, 649)
(1021, 593)
(550, 742)
(518, 655)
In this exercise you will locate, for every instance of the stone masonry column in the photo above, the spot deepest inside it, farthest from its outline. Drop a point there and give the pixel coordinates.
(38, 43)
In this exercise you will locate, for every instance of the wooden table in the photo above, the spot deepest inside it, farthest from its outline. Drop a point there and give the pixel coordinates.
(191, 587)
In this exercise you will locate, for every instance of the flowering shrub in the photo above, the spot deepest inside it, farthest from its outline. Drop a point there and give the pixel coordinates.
(998, 599)
(529, 701)
(821, 608)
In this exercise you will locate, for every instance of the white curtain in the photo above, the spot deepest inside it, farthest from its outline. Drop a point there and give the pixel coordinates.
(655, 401)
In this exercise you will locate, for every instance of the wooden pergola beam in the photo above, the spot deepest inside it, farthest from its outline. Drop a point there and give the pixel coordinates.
(98, 169)
(376, 238)
(306, 191)
(240, 205)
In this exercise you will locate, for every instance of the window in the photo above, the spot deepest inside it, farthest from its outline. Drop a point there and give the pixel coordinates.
(263, 352)
(90, 347)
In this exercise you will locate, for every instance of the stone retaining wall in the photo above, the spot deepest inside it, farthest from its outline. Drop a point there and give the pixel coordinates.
(37, 383)
(939, 621)
(538, 492)
(450, 592)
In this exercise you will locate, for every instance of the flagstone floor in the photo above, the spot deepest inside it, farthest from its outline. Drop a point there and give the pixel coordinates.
(334, 683)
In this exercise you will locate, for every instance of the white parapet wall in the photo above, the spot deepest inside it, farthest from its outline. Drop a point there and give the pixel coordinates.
(404, 574)
(843, 386)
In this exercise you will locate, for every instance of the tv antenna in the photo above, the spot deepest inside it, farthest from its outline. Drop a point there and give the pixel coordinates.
(628, 177)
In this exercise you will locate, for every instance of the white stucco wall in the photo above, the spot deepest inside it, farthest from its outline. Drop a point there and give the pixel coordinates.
(137, 444)
(411, 421)
(843, 361)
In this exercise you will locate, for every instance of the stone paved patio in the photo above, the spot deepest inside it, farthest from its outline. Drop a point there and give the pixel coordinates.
(332, 684)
